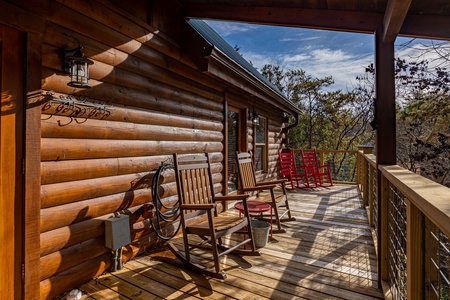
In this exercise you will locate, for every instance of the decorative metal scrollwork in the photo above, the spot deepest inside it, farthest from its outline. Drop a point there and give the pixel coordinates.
(75, 108)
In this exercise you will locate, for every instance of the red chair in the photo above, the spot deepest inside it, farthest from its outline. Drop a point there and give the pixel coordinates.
(316, 175)
(289, 168)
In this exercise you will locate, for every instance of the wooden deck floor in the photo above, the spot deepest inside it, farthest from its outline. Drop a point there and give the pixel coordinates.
(327, 253)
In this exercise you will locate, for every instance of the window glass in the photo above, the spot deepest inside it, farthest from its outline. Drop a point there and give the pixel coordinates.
(233, 146)
(261, 144)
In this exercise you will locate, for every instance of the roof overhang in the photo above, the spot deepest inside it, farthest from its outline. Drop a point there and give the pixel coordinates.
(393, 17)
(214, 62)
(226, 69)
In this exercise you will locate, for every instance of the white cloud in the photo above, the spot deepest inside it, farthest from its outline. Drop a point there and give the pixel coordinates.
(299, 39)
(297, 58)
(226, 28)
(319, 63)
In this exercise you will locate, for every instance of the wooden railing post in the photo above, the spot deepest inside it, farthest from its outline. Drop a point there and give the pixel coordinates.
(358, 168)
(366, 149)
(414, 251)
(321, 158)
(365, 188)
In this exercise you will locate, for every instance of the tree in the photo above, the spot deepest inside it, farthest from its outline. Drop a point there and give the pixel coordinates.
(330, 120)
(423, 120)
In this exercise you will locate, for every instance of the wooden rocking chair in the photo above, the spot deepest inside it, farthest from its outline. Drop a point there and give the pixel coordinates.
(197, 199)
(248, 182)
(316, 175)
(296, 176)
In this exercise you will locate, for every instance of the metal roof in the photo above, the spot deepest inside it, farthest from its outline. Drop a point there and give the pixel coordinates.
(219, 43)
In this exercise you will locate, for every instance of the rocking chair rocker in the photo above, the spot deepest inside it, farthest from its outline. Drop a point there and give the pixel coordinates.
(196, 195)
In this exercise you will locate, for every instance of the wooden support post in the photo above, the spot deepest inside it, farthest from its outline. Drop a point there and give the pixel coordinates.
(32, 167)
(385, 125)
(414, 251)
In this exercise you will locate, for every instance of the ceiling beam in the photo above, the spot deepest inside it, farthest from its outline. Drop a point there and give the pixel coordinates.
(421, 26)
(364, 22)
(426, 26)
(394, 17)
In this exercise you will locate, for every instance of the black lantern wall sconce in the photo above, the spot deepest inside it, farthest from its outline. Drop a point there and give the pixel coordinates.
(253, 116)
(77, 65)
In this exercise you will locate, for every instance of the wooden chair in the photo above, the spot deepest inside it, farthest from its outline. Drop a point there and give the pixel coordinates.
(296, 176)
(248, 183)
(197, 199)
(316, 175)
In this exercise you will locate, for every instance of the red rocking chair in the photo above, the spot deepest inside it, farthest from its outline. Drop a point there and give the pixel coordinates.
(289, 170)
(315, 175)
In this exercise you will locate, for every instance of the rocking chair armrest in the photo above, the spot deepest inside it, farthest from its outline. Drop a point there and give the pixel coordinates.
(275, 181)
(198, 206)
(231, 197)
(260, 187)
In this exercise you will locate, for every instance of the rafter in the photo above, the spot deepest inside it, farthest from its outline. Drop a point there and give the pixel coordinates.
(394, 17)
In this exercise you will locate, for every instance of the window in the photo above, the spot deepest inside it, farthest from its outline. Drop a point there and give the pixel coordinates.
(233, 146)
(261, 144)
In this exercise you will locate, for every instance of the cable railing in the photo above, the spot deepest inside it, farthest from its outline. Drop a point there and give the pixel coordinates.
(415, 228)
(410, 217)
(342, 164)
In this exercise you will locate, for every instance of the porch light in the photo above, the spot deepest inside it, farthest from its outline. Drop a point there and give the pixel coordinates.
(77, 65)
(253, 116)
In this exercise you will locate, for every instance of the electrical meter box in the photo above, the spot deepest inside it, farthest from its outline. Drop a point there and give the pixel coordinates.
(117, 232)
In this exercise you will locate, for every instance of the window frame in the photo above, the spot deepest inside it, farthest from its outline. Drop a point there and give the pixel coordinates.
(263, 166)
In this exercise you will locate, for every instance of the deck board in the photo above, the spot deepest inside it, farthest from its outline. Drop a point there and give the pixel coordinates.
(327, 253)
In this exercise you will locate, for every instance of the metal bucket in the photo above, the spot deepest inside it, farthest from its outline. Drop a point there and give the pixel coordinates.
(260, 231)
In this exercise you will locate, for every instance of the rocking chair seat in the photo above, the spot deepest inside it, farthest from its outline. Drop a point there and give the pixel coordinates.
(222, 225)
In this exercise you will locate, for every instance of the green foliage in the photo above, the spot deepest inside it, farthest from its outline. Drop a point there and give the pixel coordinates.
(330, 119)
(423, 119)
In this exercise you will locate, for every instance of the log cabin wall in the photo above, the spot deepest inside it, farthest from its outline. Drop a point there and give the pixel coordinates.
(100, 147)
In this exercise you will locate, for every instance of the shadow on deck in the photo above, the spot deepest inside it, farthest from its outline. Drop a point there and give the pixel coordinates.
(327, 253)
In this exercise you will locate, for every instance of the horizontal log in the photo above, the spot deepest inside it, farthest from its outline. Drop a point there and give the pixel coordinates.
(133, 29)
(130, 97)
(73, 191)
(64, 215)
(63, 149)
(68, 127)
(138, 116)
(69, 192)
(67, 258)
(149, 78)
(59, 261)
(66, 236)
(72, 170)
(150, 51)
(64, 281)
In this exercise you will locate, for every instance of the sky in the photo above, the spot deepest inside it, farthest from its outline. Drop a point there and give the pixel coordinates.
(319, 53)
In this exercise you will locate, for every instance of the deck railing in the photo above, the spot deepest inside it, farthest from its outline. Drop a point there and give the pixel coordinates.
(342, 164)
(415, 229)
